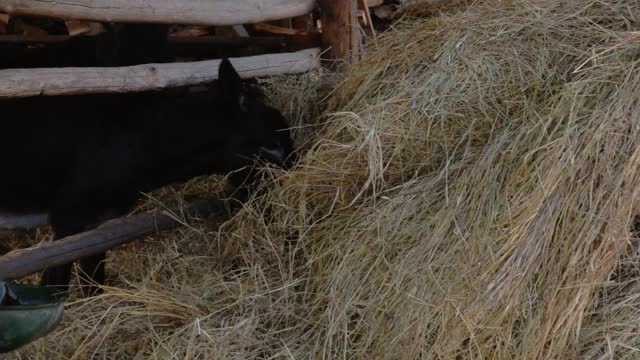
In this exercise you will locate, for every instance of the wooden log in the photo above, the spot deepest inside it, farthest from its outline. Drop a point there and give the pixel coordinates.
(68, 81)
(195, 12)
(23, 262)
(336, 29)
(340, 30)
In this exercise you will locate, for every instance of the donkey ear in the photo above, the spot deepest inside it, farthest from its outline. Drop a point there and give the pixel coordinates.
(231, 84)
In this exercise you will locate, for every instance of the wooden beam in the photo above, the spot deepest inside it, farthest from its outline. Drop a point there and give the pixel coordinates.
(340, 30)
(68, 81)
(23, 262)
(195, 12)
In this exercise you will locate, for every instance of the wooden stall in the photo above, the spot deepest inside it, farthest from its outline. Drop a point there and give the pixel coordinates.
(291, 35)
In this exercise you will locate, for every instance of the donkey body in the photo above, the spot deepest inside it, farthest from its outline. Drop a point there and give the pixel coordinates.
(86, 159)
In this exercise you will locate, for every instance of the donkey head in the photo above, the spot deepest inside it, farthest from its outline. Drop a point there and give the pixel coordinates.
(259, 130)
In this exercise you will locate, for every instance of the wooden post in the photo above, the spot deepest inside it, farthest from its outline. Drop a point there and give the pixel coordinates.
(336, 29)
(340, 30)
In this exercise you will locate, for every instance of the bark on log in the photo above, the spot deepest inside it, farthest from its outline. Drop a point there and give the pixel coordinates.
(195, 12)
(340, 30)
(67, 81)
(23, 262)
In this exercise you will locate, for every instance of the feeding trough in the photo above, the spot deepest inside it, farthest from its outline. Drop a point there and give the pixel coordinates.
(27, 312)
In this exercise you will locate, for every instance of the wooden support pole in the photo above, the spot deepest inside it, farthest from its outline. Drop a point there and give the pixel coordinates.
(340, 30)
(194, 12)
(23, 262)
(86, 80)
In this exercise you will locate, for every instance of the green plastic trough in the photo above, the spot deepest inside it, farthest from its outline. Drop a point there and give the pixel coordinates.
(27, 312)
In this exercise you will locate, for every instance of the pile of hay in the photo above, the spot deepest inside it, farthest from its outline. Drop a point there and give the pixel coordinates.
(472, 195)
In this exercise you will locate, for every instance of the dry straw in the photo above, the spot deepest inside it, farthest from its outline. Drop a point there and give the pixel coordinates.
(472, 195)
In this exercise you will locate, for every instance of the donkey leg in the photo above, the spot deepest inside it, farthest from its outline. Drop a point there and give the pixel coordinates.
(59, 276)
(71, 215)
(92, 271)
(92, 274)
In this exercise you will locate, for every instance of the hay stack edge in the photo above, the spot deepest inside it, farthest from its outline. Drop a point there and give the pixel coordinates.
(470, 194)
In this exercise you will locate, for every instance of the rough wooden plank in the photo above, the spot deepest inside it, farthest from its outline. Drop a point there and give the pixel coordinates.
(196, 12)
(67, 81)
(23, 262)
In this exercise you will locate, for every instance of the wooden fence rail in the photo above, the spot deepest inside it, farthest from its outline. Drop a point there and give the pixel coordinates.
(23, 262)
(85, 80)
(193, 12)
